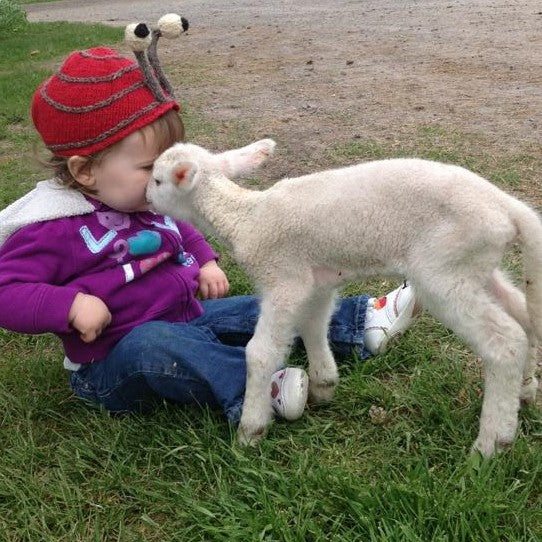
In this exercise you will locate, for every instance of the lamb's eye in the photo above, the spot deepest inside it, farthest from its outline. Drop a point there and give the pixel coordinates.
(157, 182)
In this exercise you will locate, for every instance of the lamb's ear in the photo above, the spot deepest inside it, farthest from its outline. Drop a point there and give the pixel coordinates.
(183, 175)
(239, 162)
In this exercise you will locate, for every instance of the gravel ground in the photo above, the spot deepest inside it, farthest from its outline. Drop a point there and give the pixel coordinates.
(312, 73)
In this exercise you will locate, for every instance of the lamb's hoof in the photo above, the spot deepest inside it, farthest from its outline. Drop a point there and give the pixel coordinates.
(484, 447)
(528, 390)
(250, 437)
(489, 446)
(321, 392)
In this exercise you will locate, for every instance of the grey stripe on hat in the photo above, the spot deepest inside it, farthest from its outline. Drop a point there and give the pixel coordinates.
(87, 54)
(111, 77)
(79, 144)
(92, 107)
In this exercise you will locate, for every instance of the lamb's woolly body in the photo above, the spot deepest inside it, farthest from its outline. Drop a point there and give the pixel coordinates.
(299, 215)
(442, 227)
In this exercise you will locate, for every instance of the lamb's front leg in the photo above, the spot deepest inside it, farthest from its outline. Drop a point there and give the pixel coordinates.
(266, 353)
(323, 374)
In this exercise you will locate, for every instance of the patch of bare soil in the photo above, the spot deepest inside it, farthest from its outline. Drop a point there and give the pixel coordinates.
(312, 73)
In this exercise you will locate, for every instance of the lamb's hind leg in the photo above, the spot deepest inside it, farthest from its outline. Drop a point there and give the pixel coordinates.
(513, 301)
(323, 374)
(266, 353)
(467, 308)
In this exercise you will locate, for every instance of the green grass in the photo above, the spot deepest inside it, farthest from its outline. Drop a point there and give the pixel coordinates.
(511, 172)
(71, 473)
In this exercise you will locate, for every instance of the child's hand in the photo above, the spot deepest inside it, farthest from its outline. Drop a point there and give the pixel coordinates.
(89, 315)
(213, 282)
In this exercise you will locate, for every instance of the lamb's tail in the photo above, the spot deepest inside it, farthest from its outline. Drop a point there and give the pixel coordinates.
(529, 226)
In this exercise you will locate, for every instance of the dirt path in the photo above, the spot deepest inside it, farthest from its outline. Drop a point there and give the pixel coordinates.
(315, 72)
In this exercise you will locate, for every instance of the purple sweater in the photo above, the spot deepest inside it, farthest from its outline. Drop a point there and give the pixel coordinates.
(142, 265)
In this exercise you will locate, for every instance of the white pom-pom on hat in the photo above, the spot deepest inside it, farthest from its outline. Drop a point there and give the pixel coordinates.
(138, 36)
(170, 25)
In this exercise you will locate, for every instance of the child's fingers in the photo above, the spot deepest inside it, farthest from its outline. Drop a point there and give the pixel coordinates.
(203, 290)
(213, 290)
(89, 336)
(222, 288)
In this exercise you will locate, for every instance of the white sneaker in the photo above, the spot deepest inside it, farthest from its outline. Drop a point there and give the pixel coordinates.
(388, 318)
(289, 390)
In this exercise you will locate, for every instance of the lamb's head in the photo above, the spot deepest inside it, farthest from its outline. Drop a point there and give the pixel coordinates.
(179, 170)
(175, 174)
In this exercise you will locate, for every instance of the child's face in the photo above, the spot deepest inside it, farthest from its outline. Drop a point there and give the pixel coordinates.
(121, 177)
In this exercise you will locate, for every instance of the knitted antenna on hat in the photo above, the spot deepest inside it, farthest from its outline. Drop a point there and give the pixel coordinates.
(142, 40)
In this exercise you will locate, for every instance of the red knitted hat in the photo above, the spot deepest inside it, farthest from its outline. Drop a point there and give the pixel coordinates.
(96, 98)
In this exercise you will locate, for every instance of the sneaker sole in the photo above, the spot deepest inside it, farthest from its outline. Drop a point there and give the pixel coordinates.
(303, 388)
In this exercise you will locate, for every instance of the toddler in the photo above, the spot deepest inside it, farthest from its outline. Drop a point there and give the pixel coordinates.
(81, 256)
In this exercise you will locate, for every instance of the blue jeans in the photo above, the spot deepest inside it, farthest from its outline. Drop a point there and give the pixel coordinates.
(197, 362)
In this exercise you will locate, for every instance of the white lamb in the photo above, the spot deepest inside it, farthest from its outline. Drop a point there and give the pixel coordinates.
(442, 227)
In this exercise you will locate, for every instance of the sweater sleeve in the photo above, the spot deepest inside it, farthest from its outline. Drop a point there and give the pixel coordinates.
(34, 263)
(195, 243)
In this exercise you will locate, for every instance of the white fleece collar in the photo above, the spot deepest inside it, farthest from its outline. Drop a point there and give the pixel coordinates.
(46, 202)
